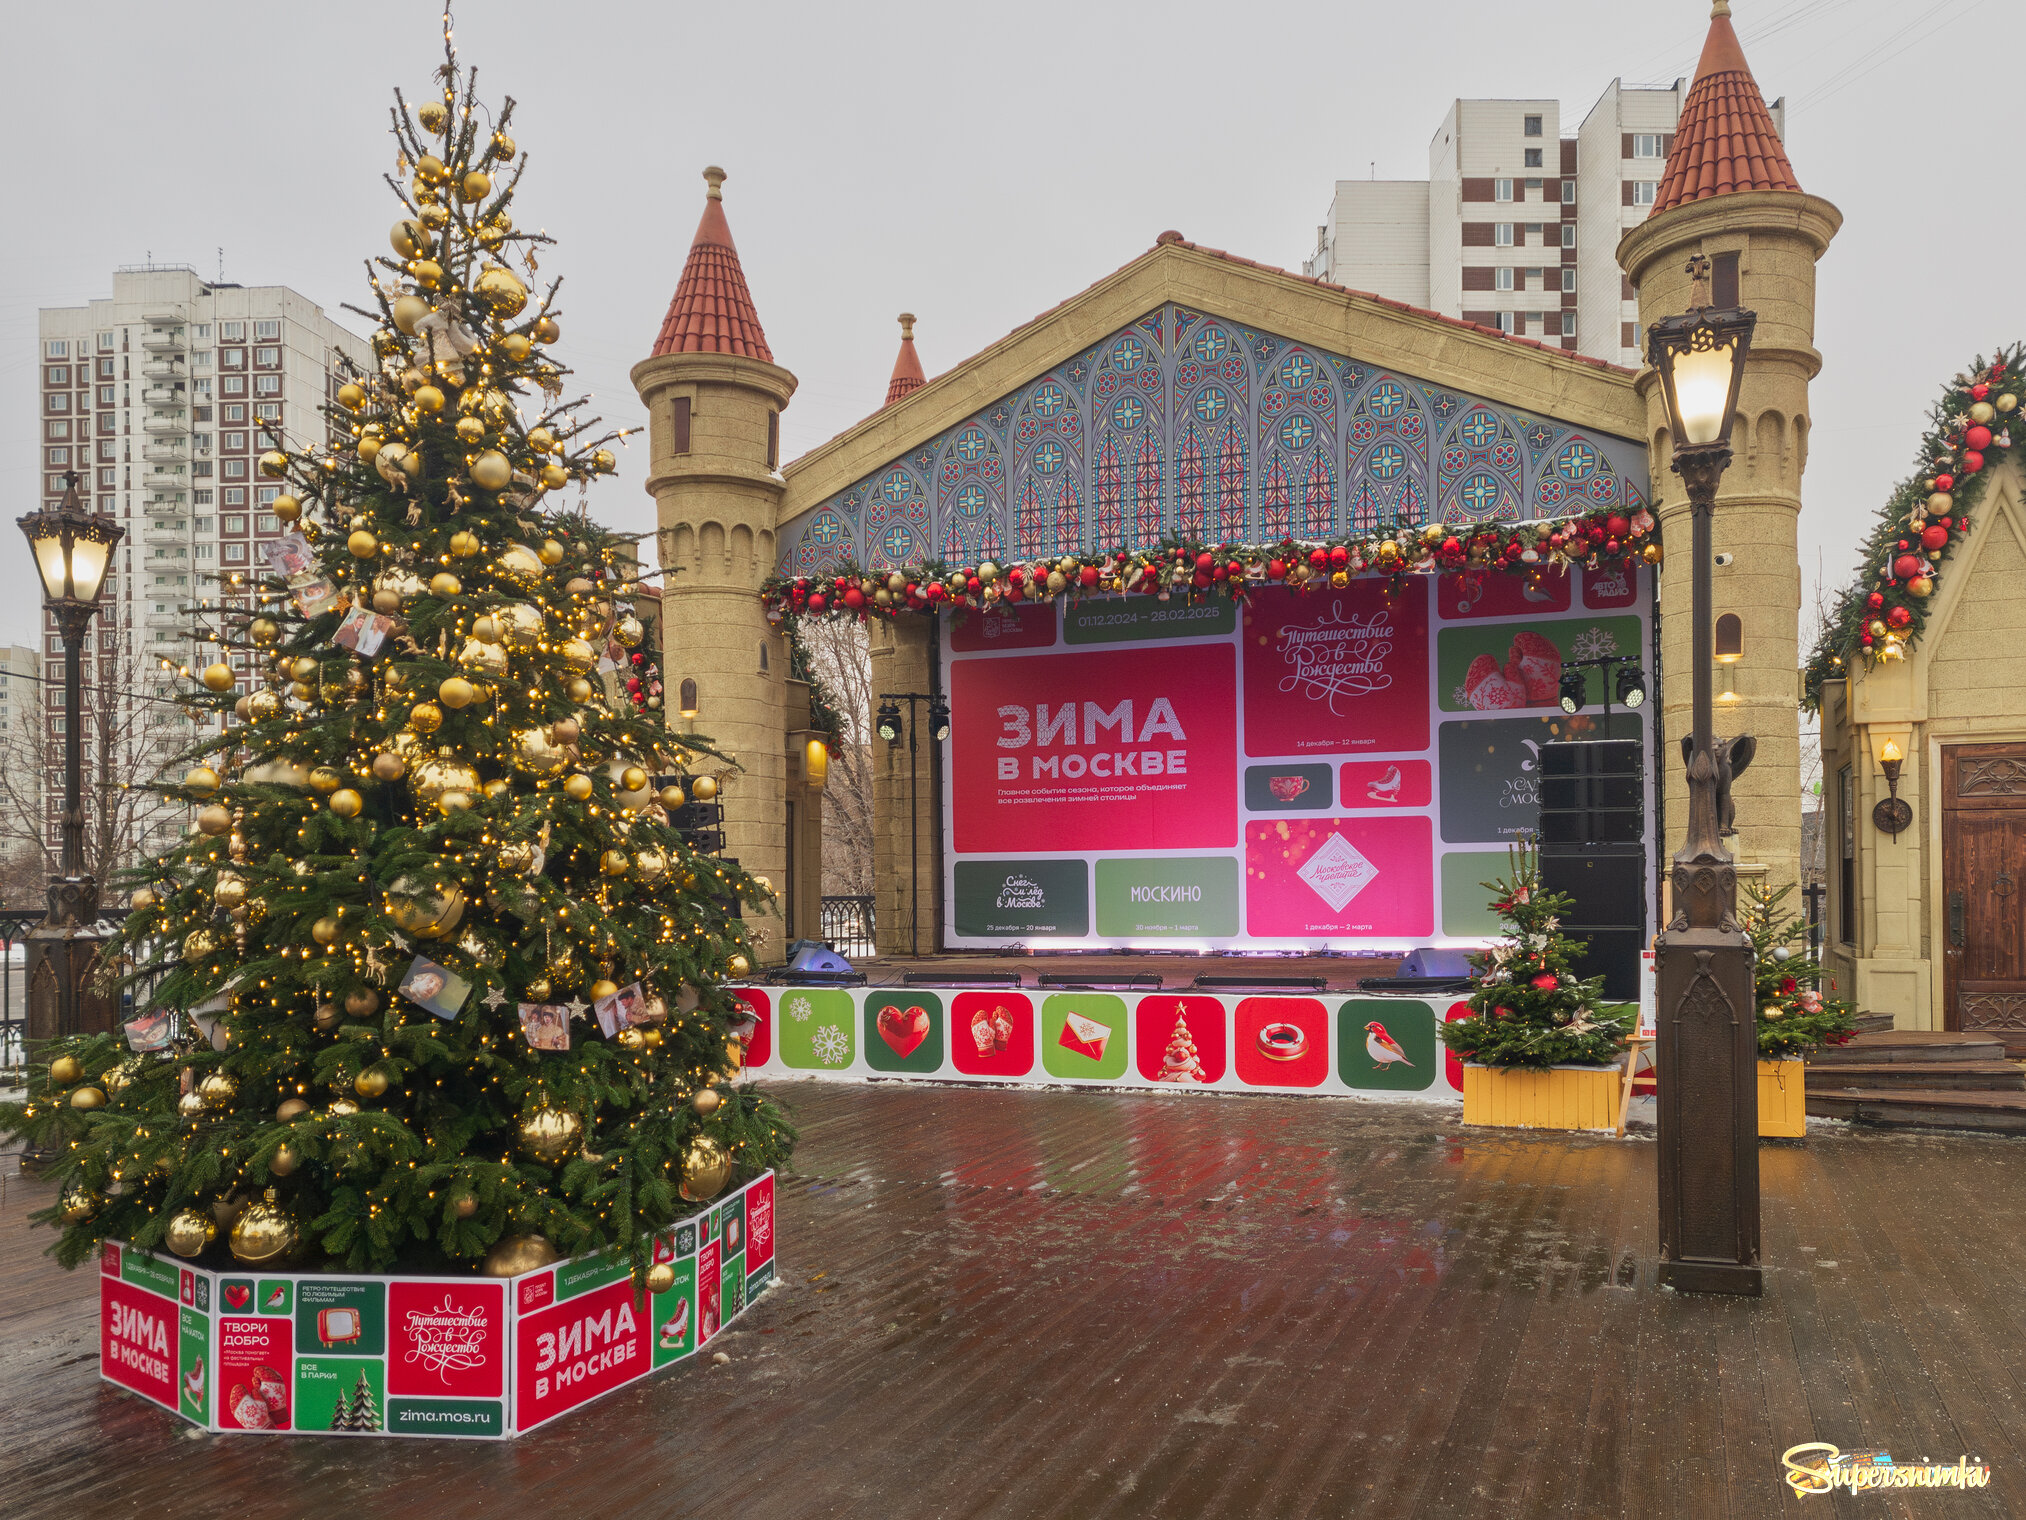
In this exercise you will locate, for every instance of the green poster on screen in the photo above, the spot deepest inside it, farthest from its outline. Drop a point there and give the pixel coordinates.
(1187, 897)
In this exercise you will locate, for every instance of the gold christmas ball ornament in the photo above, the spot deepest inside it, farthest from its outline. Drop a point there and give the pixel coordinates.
(491, 470)
(632, 779)
(660, 1277)
(550, 1135)
(87, 1097)
(434, 116)
(326, 779)
(362, 544)
(483, 657)
(554, 476)
(189, 1105)
(284, 1161)
(536, 753)
(346, 803)
(505, 293)
(388, 766)
(263, 705)
(603, 988)
(342, 1108)
(465, 1207)
(229, 891)
(704, 788)
(519, 563)
(539, 990)
(541, 440)
(515, 856)
(463, 543)
(425, 717)
(706, 1101)
(545, 330)
(552, 552)
(614, 863)
(516, 346)
(578, 690)
(470, 430)
(428, 399)
(262, 1232)
(218, 677)
(65, 1070)
(198, 944)
(78, 1205)
(523, 626)
(443, 585)
(202, 780)
(293, 1108)
(141, 900)
(324, 931)
(706, 1168)
(362, 1002)
(671, 797)
(578, 787)
(190, 1232)
(476, 186)
(631, 1039)
(603, 461)
(455, 692)
(578, 655)
(1921, 586)
(370, 1083)
(218, 1089)
(630, 631)
(502, 145)
(420, 911)
(410, 239)
(433, 776)
(428, 273)
(1652, 553)
(515, 1254)
(274, 464)
(651, 863)
(738, 965)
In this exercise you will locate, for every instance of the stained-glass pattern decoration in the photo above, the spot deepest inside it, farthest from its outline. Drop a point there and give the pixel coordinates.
(1186, 424)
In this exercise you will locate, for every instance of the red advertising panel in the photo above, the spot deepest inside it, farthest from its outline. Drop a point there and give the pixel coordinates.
(578, 1349)
(1338, 671)
(137, 1339)
(255, 1364)
(1328, 877)
(760, 1224)
(1116, 749)
(447, 1339)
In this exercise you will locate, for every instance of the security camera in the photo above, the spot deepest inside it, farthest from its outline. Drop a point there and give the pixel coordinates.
(1725, 559)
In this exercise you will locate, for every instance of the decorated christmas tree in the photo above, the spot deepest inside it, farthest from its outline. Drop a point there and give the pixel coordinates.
(447, 983)
(1794, 1018)
(1528, 1006)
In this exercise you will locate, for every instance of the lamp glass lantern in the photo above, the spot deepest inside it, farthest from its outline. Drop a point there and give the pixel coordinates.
(73, 549)
(1700, 357)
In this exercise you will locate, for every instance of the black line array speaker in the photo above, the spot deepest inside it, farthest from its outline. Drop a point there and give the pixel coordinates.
(1593, 830)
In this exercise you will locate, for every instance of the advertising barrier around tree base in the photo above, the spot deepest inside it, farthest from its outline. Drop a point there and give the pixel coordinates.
(1343, 1043)
(250, 1350)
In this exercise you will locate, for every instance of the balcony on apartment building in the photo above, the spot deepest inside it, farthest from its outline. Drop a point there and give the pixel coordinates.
(166, 420)
(171, 533)
(154, 620)
(164, 499)
(164, 369)
(164, 340)
(165, 451)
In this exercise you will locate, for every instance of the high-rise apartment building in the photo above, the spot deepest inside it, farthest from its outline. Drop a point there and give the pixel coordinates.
(162, 398)
(1517, 225)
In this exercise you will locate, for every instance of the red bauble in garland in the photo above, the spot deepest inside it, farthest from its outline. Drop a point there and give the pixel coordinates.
(1276, 570)
(854, 598)
(1088, 575)
(1978, 437)
(1906, 567)
(1899, 617)
(816, 602)
(1546, 982)
(1972, 462)
(1875, 601)
(1979, 392)
(1934, 536)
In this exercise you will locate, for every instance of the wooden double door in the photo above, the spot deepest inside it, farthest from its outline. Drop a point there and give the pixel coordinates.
(1984, 890)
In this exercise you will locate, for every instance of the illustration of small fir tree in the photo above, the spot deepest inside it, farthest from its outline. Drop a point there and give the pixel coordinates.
(365, 1411)
(1793, 1016)
(1528, 1006)
(341, 1413)
(470, 786)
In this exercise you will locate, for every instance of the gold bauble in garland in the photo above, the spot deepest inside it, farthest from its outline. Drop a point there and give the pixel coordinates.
(706, 1168)
(536, 753)
(519, 563)
(1653, 554)
(464, 544)
(78, 1205)
(515, 1254)
(190, 1231)
(502, 146)
(538, 990)
(548, 1135)
(552, 553)
(295, 1108)
(425, 717)
(87, 1097)
(475, 186)
(198, 944)
(428, 273)
(554, 477)
(263, 1232)
(661, 1277)
(346, 803)
(603, 462)
(428, 399)
(263, 631)
(652, 863)
(671, 797)
(229, 891)
(499, 286)
(738, 965)
(522, 625)
(630, 631)
(214, 820)
(218, 1089)
(631, 1039)
(121, 1077)
(420, 911)
(65, 1070)
(444, 585)
(326, 779)
(326, 1016)
(370, 1083)
(430, 778)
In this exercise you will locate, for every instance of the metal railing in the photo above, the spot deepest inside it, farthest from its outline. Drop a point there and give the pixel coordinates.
(846, 926)
(15, 923)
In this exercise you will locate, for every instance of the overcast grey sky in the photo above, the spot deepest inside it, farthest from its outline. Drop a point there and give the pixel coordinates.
(974, 165)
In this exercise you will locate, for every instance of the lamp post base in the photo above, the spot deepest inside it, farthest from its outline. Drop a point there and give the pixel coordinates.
(1712, 1277)
(58, 955)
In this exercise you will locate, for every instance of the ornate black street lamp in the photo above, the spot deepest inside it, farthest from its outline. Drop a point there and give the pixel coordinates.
(73, 549)
(1708, 1045)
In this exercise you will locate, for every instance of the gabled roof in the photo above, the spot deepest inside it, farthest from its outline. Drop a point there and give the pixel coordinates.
(713, 312)
(1725, 141)
(907, 366)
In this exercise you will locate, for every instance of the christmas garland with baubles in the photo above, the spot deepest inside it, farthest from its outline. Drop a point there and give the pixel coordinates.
(1974, 428)
(1190, 568)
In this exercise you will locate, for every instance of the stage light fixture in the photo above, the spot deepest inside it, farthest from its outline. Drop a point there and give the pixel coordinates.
(939, 719)
(1573, 691)
(889, 722)
(1631, 686)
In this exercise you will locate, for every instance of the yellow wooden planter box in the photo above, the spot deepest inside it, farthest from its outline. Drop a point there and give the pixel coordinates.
(1783, 1098)
(1562, 1097)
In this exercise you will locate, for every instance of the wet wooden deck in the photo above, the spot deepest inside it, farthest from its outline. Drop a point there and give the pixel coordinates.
(1001, 1304)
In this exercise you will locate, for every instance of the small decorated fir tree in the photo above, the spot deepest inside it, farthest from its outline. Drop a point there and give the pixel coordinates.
(1794, 1018)
(433, 842)
(1529, 1008)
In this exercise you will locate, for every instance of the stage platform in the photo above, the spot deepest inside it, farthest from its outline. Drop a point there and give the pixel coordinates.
(1339, 973)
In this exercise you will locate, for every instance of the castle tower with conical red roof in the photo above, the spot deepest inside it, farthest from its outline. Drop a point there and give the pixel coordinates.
(907, 365)
(1730, 193)
(714, 398)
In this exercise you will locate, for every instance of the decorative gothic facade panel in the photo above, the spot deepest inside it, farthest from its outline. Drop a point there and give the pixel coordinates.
(1185, 425)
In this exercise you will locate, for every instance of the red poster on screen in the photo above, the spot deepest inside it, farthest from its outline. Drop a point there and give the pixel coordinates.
(761, 1044)
(709, 1290)
(992, 1034)
(1500, 593)
(137, 1340)
(1180, 1040)
(759, 1224)
(255, 1372)
(1319, 876)
(1003, 625)
(1099, 750)
(446, 1339)
(1339, 671)
(578, 1349)
(1387, 784)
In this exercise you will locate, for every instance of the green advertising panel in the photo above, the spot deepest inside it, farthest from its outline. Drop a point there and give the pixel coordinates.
(1386, 1045)
(1083, 1036)
(332, 1314)
(340, 1393)
(903, 1031)
(586, 1273)
(1466, 903)
(1193, 896)
(1498, 667)
(731, 1287)
(274, 1295)
(145, 1271)
(1023, 897)
(817, 1029)
(1122, 620)
(446, 1417)
(675, 1315)
(193, 1395)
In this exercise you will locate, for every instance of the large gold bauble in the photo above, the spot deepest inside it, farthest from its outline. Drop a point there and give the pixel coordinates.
(552, 552)
(214, 820)
(464, 544)
(541, 440)
(517, 346)
(545, 330)
(425, 717)
(671, 797)
(614, 863)
(190, 1105)
(410, 238)
(77, 1205)
(218, 677)
(428, 399)
(521, 625)
(465, 1207)
(263, 705)
(428, 273)
(470, 430)
(632, 779)
(738, 965)
(229, 891)
(87, 1097)
(548, 1135)
(1653, 554)
(362, 1002)
(190, 1231)
(419, 911)
(291, 1109)
(434, 116)
(346, 803)
(603, 988)
(630, 631)
(491, 470)
(218, 1089)
(455, 692)
(324, 931)
(578, 787)
(603, 462)
(326, 779)
(652, 863)
(483, 657)
(499, 287)
(362, 544)
(704, 788)
(706, 1168)
(554, 477)
(198, 944)
(661, 1277)
(370, 1083)
(519, 563)
(429, 778)
(706, 1101)
(262, 1232)
(274, 464)
(65, 1070)
(578, 655)
(536, 753)
(143, 898)
(444, 585)
(476, 186)
(408, 310)
(514, 1254)
(388, 766)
